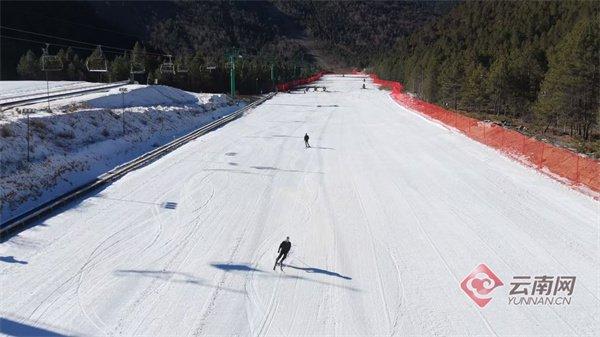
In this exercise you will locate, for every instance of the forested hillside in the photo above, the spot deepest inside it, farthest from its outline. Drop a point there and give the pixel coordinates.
(530, 62)
(267, 34)
(198, 35)
(354, 32)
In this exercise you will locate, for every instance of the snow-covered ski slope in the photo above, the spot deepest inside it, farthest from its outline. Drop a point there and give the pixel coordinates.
(387, 213)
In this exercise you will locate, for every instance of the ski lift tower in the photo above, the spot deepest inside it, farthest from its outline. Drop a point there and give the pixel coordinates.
(232, 56)
(137, 66)
(50, 63)
(273, 75)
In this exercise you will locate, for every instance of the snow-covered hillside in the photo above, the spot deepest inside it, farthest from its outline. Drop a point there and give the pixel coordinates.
(388, 212)
(13, 90)
(83, 137)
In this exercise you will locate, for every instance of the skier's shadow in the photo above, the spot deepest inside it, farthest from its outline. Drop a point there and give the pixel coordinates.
(319, 271)
(235, 267)
(322, 148)
(246, 268)
(11, 259)
(13, 328)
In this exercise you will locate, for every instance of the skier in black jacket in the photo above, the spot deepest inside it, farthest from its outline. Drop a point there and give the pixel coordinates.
(284, 249)
(306, 144)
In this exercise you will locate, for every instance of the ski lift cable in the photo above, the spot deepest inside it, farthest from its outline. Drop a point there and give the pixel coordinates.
(139, 68)
(81, 24)
(54, 44)
(60, 44)
(136, 66)
(80, 47)
(71, 40)
(56, 37)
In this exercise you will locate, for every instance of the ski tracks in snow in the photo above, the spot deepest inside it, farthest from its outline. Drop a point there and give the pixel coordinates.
(268, 313)
(498, 183)
(392, 322)
(383, 197)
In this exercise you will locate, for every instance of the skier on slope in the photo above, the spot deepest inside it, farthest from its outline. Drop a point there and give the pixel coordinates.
(283, 250)
(306, 140)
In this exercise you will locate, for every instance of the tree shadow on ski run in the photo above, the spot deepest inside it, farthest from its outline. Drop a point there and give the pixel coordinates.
(319, 271)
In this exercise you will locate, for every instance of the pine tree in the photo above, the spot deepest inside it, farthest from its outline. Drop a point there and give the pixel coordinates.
(79, 68)
(474, 94)
(451, 82)
(29, 66)
(569, 92)
(119, 68)
(498, 84)
(430, 82)
(139, 61)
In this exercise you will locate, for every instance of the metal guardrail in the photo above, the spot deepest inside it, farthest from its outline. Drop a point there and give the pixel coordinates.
(123, 169)
(39, 98)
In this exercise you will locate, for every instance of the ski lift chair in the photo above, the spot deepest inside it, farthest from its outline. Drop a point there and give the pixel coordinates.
(167, 67)
(182, 66)
(97, 64)
(50, 62)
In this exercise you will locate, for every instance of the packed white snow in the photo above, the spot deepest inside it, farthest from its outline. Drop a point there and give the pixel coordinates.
(14, 90)
(387, 212)
(83, 138)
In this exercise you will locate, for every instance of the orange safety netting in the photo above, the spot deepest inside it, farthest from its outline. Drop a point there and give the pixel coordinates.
(549, 159)
(292, 84)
